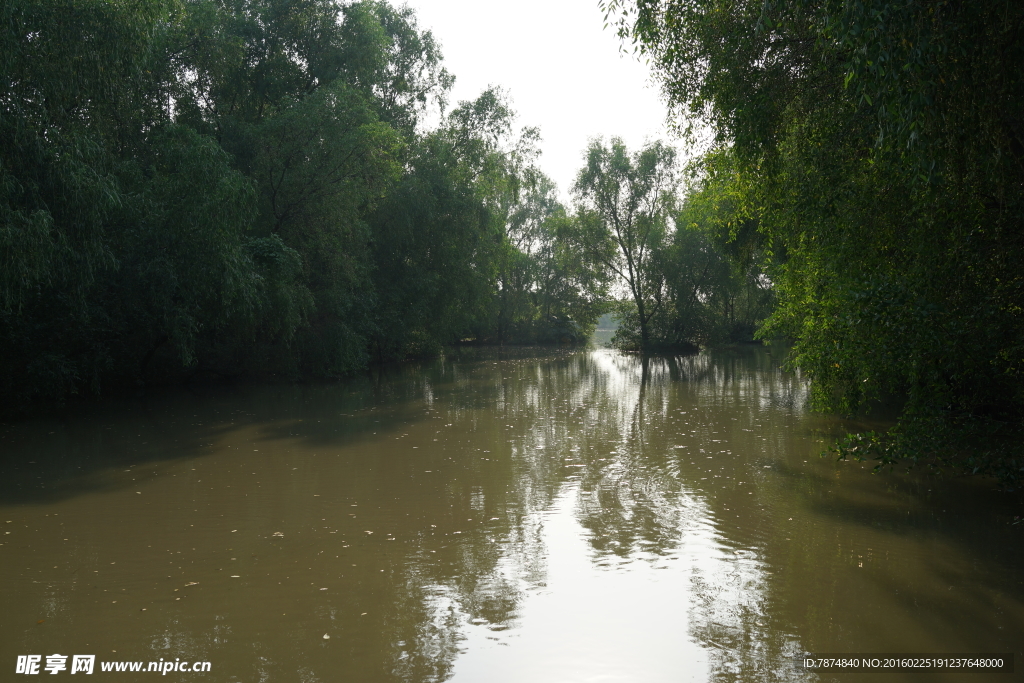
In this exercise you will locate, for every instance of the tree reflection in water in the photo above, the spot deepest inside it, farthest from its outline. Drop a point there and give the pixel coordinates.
(532, 518)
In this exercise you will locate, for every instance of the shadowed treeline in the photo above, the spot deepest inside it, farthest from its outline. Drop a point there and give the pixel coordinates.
(209, 189)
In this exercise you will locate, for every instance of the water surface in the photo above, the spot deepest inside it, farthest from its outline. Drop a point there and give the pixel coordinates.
(508, 517)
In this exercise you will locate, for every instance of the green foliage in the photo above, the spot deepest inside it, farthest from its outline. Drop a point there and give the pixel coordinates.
(471, 245)
(716, 268)
(231, 186)
(880, 148)
(568, 287)
(625, 201)
(436, 244)
(179, 241)
(693, 274)
(715, 291)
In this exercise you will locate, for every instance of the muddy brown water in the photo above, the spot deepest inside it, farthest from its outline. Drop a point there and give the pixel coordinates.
(505, 517)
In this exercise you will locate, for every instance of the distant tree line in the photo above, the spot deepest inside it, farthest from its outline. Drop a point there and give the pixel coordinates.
(870, 155)
(248, 186)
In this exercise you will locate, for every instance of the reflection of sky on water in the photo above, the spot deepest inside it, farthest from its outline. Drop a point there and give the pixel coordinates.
(640, 584)
(585, 623)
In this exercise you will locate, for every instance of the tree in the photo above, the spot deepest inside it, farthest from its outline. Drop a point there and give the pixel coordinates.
(625, 204)
(716, 265)
(438, 232)
(318, 103)
(120, 231)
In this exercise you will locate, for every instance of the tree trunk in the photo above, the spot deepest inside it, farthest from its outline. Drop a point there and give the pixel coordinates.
(645, 338)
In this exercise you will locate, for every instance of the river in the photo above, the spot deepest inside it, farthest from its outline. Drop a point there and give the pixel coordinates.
(497, 516)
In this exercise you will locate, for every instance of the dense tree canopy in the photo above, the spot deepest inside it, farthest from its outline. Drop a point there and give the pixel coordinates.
(879, 146)
(246, 186)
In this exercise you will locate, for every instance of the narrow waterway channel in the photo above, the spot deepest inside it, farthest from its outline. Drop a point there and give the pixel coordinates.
(496, 517)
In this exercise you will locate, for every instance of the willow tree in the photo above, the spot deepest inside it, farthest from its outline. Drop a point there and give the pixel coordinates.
(186, 185)
(625, 202)
(438, 234)
(121, 232)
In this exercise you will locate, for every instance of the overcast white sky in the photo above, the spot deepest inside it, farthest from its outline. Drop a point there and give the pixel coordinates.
(562, 69)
